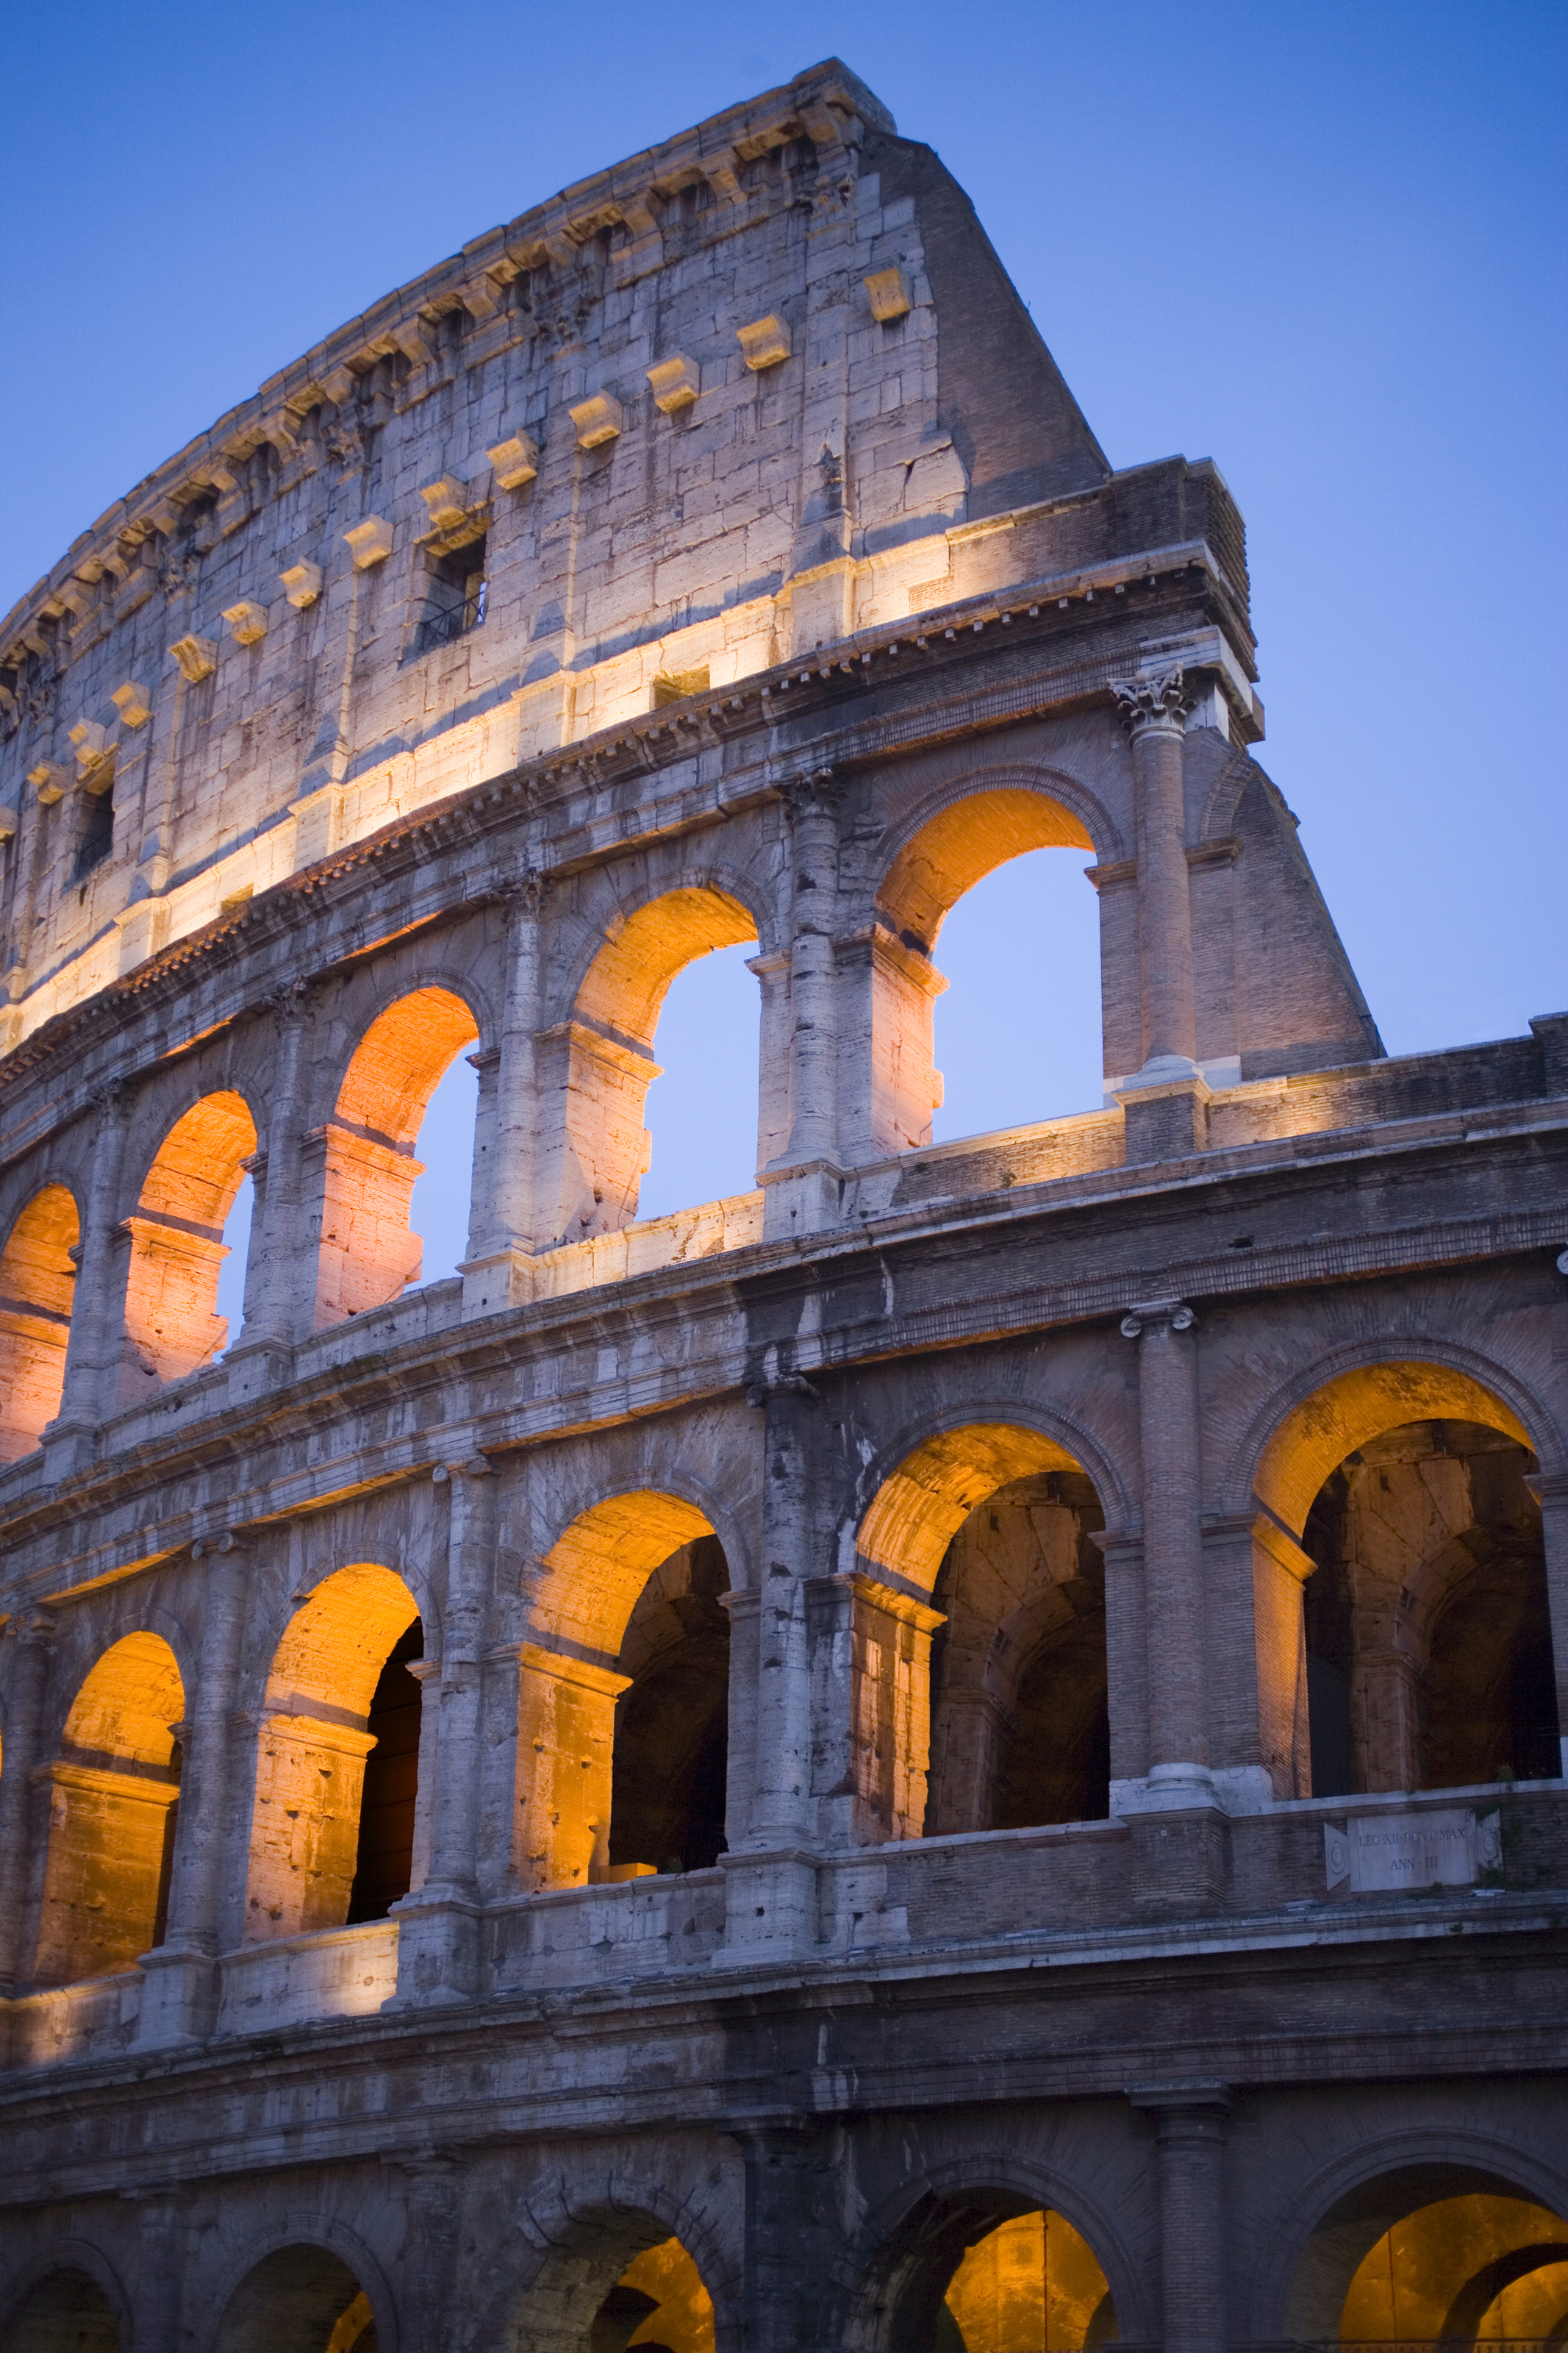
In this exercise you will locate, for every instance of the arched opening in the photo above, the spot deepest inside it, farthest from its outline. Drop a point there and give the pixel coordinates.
(366, 1168)
(384, 1859)
(115, 1786)
(701, 1109)
(65, 2312)
(1029, 943)
(597, 1067)
(301, 2295)
(624, 1697)
(997, 1522)
(333, 1665)
(984, 2272)
(619, 2283)
(176, 1236)
(442, 1201)
(1410, 1637)
(672, 1721)
(1434, 2255)
(38, 1280)
(234, 1274)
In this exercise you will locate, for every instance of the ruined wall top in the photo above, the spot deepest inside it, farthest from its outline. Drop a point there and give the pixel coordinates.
(742, 396)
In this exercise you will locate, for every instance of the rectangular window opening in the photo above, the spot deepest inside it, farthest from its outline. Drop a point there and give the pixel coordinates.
(97, 836)
(456, 600)
(674, 686)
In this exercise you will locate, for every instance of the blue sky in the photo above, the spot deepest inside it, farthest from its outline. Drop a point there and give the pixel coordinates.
(1324, 245)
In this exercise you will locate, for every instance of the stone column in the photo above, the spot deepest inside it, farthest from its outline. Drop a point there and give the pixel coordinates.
(790, 2235)
(871, 1659)
(93, 1351)
(283, 1288)
(1388, 1710)
(804, 1196)
(29, 1637)
(437, 1952)
(1190, 2130)
(179, 1995)
(504, 1236)
(1177, 1826)
(159, 2280)
(771, 1885)
(426, 2274)
(1162, 1124)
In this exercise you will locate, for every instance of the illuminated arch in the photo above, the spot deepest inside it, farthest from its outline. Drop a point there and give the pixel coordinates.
(920, 1506)
(116, 1786)
(638, 2261)
(172, 1326)
(304, 2291)
(896, 2277)
(568, 1681)
(595, 1068)
(368, 1254)
(312, 1750)
(979, 825)
(38, 1280)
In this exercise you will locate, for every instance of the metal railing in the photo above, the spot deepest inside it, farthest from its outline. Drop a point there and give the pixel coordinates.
(445, 627)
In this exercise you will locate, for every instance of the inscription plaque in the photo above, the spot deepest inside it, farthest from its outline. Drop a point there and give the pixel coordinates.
(1375, 1852)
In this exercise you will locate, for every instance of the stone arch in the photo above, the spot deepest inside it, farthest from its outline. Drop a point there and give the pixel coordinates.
(597, 1064)
(974, 823)
(591, 2250)
(176, 1246)
(360, 1165)
(570, 1677)
(311, 1747)
(895, 2277)
(1310, 1427)
(1339, 2217)
(115, 1785)
(1223, 796)
(954, 838)
(38, 1280)
(68, 2300)
(304, 2282)
(942, 1730)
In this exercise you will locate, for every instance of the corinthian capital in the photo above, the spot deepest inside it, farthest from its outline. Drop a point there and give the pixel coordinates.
(1156, 701)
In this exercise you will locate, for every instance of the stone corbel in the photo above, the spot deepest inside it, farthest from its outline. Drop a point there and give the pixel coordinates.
(134, 703)
(95, 751)
(50, 781)
(408, 334)
(198, 657)
(301, 585)
(888, 295)
(246, 622)
(596, 420)
(765, 344)
(515, 460)
(448, 500)
(369, 543)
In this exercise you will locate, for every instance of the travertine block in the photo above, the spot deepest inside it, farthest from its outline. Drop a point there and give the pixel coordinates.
(596, 420)
(676, 383)
(515, 460)
(764, 343)
(889, 294)
(198, 657)
(369, 543)
(133, 702)
(50, 781)
(301, 585)
(246, 621)
(446, 501)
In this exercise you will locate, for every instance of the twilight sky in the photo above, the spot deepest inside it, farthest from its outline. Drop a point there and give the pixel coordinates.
(1322, 244)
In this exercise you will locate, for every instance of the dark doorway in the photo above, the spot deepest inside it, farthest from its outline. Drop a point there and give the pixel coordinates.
(384, 1866)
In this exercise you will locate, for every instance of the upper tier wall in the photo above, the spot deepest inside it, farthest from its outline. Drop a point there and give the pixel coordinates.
(243, 668)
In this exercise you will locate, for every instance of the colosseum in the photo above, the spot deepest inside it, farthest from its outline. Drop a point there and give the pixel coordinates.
(539, 1809)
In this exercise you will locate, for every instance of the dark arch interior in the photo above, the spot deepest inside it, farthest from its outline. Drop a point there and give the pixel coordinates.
(298, 2300)
(384, 1864)
(1428, 1635)
(65, 2312)
(1020, 1721)
(672, 1725)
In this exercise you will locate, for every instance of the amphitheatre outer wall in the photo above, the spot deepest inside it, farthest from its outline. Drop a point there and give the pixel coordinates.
(908, 1673)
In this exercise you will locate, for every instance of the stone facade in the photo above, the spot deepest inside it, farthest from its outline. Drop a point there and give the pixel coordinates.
(980, 1714)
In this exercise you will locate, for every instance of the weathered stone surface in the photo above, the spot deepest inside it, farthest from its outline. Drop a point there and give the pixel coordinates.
(865, 1683)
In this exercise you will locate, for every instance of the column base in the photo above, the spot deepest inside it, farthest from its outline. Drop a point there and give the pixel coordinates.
(438, 1949)
(179, 1997)
(1165, 1107)
(257, 1368)
(804, 1197)
(770, 1907)
(499, 1279)
(68, 1447)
